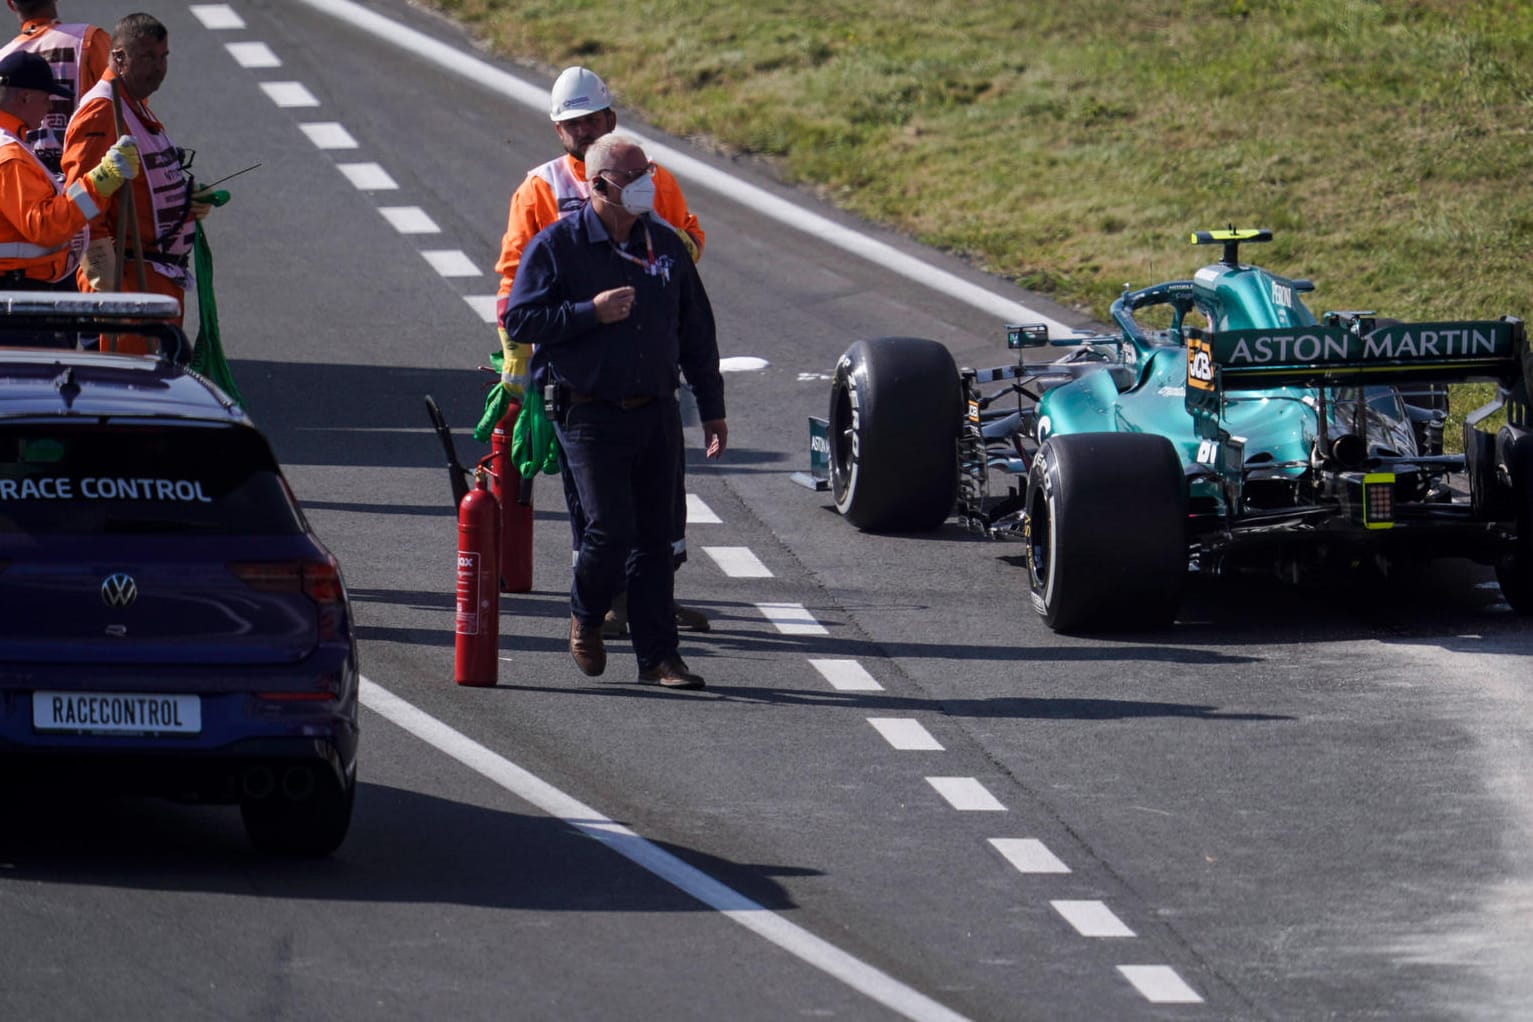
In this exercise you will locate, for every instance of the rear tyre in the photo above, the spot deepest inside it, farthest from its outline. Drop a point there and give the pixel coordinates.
(1106, 532)
(1514, 572)
(301, 822)
(895, 411)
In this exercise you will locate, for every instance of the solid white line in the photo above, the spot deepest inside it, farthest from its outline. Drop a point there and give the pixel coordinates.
(1160, 984)
(791, 619)
(966, 794)
(795, 940)
(1028, 855)
(695, 171)
(217, 16)
(253, 55)
(1092, 919)
(410, 220)
(482, 304)
(328, 135)
(451, 263)
(699, 513)
(905, 734)
(846, 675)
(289, 94)
(367, 177)
(738, 562)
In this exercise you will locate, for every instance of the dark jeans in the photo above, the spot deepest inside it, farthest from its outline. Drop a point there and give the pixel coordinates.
(678, 529)
(623, 467)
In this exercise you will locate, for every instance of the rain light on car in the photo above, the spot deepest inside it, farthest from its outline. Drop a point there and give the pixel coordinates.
(1379, 500)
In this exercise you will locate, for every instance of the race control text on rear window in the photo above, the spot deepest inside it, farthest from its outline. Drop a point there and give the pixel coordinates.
(89, 478)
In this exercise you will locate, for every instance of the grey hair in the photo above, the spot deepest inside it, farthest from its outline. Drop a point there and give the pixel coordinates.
(599, 154)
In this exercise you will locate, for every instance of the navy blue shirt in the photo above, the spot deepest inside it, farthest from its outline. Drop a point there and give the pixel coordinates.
(567, 264)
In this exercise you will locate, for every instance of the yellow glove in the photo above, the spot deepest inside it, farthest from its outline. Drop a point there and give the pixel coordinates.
(689, 241)
(515, 371)
(99, 260)
(120, 164)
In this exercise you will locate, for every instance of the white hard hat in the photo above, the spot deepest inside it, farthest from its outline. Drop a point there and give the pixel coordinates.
(577, 92)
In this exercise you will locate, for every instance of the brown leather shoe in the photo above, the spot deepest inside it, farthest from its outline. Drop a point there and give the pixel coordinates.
(690, 619)
(586, 647)
(671, 673)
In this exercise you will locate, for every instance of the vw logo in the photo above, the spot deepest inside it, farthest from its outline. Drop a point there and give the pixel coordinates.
(119, 590)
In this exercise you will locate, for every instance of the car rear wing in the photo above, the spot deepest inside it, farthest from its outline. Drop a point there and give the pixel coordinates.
(1330, 356)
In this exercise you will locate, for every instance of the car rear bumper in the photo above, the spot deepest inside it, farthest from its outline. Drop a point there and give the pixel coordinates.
(254, 727)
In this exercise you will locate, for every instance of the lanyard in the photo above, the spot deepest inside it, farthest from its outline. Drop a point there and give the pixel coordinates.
(651, 267)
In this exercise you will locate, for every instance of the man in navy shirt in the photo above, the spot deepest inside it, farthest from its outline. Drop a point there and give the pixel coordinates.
(615, 306)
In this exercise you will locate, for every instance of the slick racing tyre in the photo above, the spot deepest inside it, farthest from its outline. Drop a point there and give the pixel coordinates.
(895, 410)
(1514, 572)
(1106, 532)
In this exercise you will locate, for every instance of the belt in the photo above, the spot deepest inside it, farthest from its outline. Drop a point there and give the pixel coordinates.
(625, 403)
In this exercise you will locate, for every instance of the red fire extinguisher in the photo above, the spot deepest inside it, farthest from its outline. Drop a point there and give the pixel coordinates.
(475, 660)
(515, 496)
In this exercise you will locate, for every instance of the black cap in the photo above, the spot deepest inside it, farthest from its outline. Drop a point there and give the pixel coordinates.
(22, 70)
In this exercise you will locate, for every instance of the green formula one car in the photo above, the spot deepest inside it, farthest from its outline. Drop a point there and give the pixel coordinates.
(1239, 432)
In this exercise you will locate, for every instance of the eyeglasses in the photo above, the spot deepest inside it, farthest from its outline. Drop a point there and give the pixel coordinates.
(628, 177)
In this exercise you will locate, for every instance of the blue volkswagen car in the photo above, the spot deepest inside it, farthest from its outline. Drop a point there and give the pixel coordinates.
(169, 624)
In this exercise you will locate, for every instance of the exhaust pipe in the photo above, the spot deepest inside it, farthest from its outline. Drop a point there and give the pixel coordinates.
(297, 783)
(258, 782)
(1350, 451)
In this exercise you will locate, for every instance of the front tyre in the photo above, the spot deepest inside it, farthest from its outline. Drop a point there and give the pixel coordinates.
(1106, 532)
(896, 405)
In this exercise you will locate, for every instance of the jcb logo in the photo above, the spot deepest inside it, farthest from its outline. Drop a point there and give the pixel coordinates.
(1200, 365)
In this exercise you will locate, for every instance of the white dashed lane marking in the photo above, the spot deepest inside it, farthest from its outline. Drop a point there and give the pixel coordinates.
(737, 562)
(367, 177)
(484, 305)
(791, 619)
(217, 16)
(905, 734)
(328, 135)
(1160, 984)
(699, 513)
(451, 263)
(846, 675)
(410, 220)
(253, 55)
(1092, 919)
(1028, 855)
(289, 94)
(966, 794)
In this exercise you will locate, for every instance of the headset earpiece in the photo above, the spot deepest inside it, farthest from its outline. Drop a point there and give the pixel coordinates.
(600, 184)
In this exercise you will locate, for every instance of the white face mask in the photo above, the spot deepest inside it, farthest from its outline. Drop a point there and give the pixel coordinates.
(639, 196)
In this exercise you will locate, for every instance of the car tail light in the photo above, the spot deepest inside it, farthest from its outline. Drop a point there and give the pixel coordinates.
(1379, 500)
(320, 581)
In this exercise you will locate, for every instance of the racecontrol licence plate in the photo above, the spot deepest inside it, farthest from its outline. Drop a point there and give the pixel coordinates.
(117, 713)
